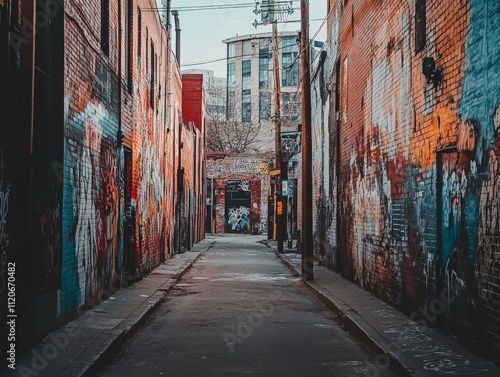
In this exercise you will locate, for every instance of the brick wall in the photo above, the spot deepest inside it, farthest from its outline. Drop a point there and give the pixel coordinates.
(413, 215)
(254, 172)
(193, 115)
(189, 163)
(96, 153)
(149, 140)
(94, 206)
(90, 197)
(192, 99)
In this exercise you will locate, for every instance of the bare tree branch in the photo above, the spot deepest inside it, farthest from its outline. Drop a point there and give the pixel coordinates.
(230, 135)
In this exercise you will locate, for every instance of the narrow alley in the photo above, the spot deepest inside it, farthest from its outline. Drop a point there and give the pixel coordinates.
(238, 311)
(235, 187)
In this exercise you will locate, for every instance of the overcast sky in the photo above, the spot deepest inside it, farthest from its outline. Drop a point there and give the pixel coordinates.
(203, 31)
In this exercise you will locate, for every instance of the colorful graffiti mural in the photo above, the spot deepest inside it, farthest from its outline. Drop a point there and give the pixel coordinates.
(238, 218)
(250, 165)
(415, 165)
(93, 213)
(151, 198)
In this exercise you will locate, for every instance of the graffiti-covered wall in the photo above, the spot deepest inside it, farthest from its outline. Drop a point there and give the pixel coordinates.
(147, 136)
(241, 191)
(193, 209)
(119, 151)
(90, 153)
(91, 163)
(193, 152)
(406, 164)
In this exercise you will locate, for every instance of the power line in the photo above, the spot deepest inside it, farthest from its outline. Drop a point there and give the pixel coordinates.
(216, 7)
(238, 56)
(203, 7)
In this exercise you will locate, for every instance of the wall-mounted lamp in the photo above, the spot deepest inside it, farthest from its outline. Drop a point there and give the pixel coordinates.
(431, 74)
(120, 136)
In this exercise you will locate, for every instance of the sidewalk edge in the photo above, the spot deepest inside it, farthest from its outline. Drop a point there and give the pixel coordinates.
(114, 346)
(355, 322)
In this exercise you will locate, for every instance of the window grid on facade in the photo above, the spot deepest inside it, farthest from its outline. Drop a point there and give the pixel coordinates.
(265, 53)
(265, 105)
(290, 64)
(290, 107)
(246, 98)
(246, 49)
(231, 50)
(231, 90)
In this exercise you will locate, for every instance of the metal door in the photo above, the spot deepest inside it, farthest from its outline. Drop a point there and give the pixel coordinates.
(448, 202)
(237, 215)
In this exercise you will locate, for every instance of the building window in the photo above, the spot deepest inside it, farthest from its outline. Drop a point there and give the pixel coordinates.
(345, 92)
(129, 44)
(290, 63)
(139, 36)
(265, 105)
(231, 90)
(290, 107)
(105, 26)
(153, 76)
(246, 82)
(247, 49)
(420, 25)
(264, 60)
(231, 50)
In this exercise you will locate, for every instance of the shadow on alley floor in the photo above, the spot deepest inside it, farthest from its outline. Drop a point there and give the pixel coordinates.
(85, 344)
(413, 349)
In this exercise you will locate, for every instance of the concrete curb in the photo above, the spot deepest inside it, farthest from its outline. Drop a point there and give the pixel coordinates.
(144, 311)
(354, 321)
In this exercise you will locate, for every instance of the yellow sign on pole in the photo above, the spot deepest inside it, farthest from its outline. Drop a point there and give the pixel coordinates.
(275, 172)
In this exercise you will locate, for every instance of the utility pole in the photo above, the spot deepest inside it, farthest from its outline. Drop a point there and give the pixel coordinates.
(272, 12)
(277, 135)
(306, 246)
(180, 170)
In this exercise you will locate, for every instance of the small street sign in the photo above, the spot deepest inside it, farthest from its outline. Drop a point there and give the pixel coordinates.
(284, 188)
(275, 172)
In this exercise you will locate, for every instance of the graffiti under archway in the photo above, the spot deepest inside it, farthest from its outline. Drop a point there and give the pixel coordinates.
(237, 214)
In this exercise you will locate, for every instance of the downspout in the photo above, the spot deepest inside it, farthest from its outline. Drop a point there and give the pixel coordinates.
(194, 235)
(169, 5)
(177, 37)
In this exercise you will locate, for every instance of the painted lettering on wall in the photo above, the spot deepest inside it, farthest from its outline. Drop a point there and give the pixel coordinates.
(238, 217)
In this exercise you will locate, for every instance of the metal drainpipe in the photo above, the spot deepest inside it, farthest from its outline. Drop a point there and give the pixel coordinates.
(167, 16)
(177, 37)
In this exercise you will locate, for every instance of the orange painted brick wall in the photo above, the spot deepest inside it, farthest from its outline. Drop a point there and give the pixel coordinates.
(405, 173)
